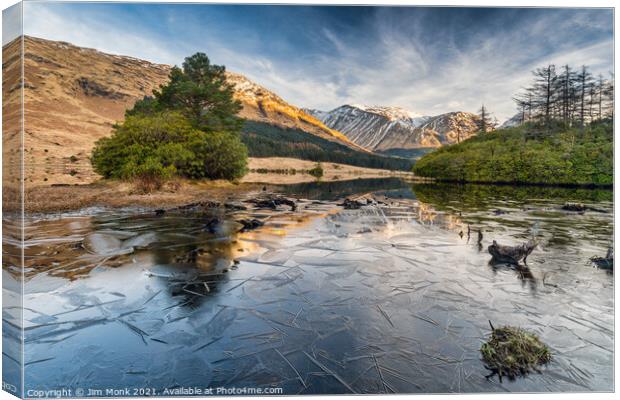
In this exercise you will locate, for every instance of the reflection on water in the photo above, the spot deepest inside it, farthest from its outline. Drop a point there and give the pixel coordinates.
(334, 190)
(393, 297)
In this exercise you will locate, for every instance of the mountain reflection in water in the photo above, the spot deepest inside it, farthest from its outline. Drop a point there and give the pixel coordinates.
(387, 298)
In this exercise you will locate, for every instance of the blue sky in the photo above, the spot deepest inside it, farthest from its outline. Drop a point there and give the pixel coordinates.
(428, 60)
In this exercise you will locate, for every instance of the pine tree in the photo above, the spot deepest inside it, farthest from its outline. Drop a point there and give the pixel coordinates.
(198, 90)
(485, 121)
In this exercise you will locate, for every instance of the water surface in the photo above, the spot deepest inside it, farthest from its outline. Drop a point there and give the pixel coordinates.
(393, 297)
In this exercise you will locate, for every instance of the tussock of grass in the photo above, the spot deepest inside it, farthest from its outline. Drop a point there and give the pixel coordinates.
(513, 351)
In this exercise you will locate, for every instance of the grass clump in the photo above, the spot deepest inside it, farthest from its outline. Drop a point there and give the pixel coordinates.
(513, 351)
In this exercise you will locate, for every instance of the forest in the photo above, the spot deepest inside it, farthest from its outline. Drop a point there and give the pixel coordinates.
(265, 140)
(563, 136)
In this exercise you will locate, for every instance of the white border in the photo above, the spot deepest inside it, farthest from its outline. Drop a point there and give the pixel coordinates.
(479, 3)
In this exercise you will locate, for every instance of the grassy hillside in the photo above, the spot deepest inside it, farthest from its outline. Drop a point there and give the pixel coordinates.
(264, 140)
(527, 155)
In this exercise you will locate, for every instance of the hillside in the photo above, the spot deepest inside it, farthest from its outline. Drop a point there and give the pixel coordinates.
(74, 95)
(262, 105)
(393, 128)
(527, 155)
(265, 140)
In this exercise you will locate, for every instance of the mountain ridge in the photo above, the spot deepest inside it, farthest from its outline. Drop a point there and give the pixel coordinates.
(380, 128)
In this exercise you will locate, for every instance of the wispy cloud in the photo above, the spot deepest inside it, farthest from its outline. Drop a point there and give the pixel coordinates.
(428, 60)
(94, 30)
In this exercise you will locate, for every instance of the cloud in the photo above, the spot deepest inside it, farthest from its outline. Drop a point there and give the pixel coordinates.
(95, 31)
(427, 60)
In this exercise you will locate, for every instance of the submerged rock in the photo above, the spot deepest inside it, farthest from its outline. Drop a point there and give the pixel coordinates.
(512, 254)
(142, 241)
(104, 244)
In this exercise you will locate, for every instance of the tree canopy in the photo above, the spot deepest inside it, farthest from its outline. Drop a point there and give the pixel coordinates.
(188, 128)
(200, 92)
(166, 144)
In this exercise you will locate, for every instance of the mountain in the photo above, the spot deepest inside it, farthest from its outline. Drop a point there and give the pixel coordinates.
(268, 140)
(262, 105)
(513, 121)
(385, 128)
(73, 96)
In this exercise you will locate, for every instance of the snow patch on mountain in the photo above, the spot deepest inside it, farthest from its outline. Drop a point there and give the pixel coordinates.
(381, 128)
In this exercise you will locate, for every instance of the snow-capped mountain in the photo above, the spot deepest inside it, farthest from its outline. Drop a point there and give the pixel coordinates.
(379, 128)
(261, 104)
(391, 113)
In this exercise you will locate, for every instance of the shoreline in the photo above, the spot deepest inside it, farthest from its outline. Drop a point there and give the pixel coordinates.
(116, 195)
(522, 184)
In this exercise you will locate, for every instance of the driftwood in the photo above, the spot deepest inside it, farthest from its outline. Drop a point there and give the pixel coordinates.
(249, 224)
(512, 254)
(606, 262)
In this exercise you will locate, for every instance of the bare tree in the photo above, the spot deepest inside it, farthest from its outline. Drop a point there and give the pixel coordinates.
(544, 91)
(565, 89)
(584, 81)
(571, 97)
(525, 104)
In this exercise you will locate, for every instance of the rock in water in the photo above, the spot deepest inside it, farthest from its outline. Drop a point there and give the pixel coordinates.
(212, 225)
(512, 254)
(249, 224)
(273, 203)
(349, 204)
(576, 207)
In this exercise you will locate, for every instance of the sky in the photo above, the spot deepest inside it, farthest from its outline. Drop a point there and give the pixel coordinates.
(426, 60)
